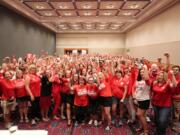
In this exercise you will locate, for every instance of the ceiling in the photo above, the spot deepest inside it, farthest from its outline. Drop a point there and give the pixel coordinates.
(89, 16)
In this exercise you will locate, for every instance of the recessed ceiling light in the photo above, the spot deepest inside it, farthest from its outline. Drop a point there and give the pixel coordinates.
(67, 14)
(86, 6)
(133, 6)
(48, 14)
(110, 6)
(101, 28)
(107, 13)
(62, 7)
(39, 7)
(87, 13)
(114, 28)
(61, 25)
(88, 25)
(102, 25)
(76, 28)
(116, 25)
(127, 13)
(64, 28)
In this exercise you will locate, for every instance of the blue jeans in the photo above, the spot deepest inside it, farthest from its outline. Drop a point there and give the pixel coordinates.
(162, 119)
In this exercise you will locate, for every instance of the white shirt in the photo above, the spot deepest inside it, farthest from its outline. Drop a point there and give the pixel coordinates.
(142, 91)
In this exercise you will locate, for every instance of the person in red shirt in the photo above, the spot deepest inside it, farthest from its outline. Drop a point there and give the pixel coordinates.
(162, 101)
(7, 97)
(81, 101)
(33, 87)
(176, 94)
(92, 90)
(119, 90)
(105, 97)
(22, 97)
(56, 88)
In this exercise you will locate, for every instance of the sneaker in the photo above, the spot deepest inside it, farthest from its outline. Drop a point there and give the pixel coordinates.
(148, 119)
(95, 123)
(113, 122)
(83, 122)
(56, 118)
(107, 128)
(76, 124)
(90, 122)
(44, 119)
(26, 120)
(21, 121)
(63, 117)
(8, 125)
(100, 123)
(120, 123)
(33, 122)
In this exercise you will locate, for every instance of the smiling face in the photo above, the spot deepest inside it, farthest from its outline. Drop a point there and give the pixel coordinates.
(19, 74)
(91, 80)
(175, 70)
(7, 75)
(160, 77)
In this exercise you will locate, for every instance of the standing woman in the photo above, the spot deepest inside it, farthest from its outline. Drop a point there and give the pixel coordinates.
(119, 90)
(81, 101)
(45, 99)
(92, 90)
(105, 96)
(162, 101)
(56, 88)
(7, 97)
(142, 98)
(33, 87)
(21, 96)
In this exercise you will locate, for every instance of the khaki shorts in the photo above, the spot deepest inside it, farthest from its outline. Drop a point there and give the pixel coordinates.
(6, 106)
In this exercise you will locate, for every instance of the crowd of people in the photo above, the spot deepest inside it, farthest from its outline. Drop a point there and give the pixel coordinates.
(90, 89)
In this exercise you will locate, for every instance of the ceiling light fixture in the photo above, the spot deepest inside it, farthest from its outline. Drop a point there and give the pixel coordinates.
(48, 14)
(67, 14)
(62, 7)
(87, 13)
(107, 13)
(127, 13)
(39, 7)
(86, 6)
(133, 6)
(110, 6)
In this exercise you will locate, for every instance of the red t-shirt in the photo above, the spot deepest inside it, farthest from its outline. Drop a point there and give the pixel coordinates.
(106, 91)
(92, 91)
(176, 90)
(20, 90)
(66, 87)
(162, 95)
(56, 85)
(117, 86)
(81, 96)
(7, 89)
(35, 85)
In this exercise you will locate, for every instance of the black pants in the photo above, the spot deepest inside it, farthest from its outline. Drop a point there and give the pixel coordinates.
(81, 113)
(35, 108)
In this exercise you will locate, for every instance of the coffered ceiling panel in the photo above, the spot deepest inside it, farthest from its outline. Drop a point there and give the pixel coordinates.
(86, 16)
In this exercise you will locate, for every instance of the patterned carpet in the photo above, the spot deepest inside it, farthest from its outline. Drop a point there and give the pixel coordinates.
(60, 128)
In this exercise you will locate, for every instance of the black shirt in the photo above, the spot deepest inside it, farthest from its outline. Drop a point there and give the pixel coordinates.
(46, 86)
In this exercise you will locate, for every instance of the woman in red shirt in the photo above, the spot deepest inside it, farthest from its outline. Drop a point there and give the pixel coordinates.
(162, 101)
(93, 94)
(119, 90)
(21, 96)
(105, 97)
(56, 88)
(33, 87)
(7, 97)
(81, 101)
